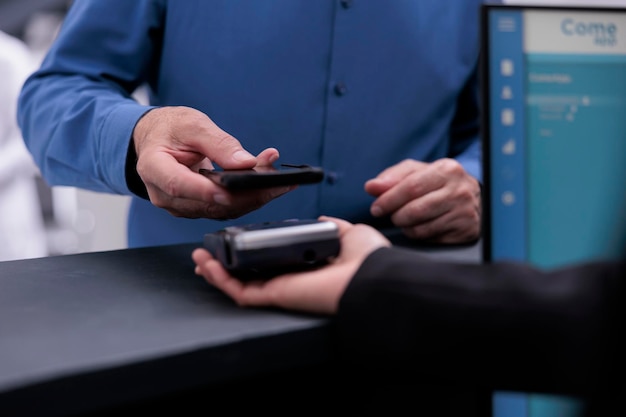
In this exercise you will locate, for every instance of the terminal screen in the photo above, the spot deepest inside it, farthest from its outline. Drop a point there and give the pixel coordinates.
(557, 146)
(555, 149)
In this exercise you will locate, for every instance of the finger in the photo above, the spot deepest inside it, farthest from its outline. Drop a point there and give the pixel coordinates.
(361, 240)
(392, 176)
(185, 131)
(245, 294)
(178, 181)
(267, 157)
(423, 209)
(214, 273)
(413, 186)
(205, 163)
(448, 228)
(200, 257)
(221, 205)
(221, 279)
(342, 224)
(459, 196)
(223, 148)
(400, 170)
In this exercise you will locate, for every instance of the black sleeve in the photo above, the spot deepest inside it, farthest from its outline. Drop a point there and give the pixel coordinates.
(133, 180)
(498, 326)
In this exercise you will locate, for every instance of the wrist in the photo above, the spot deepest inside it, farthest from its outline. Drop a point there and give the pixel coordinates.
(145, 124)
(133, 181)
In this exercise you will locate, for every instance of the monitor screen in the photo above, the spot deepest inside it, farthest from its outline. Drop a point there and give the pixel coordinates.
(555, 137)
(554, 147)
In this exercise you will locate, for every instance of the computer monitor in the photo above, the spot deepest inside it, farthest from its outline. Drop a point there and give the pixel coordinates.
(554, 81)
(554, 140)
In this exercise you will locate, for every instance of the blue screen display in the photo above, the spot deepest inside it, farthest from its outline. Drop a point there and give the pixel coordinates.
(556, 147)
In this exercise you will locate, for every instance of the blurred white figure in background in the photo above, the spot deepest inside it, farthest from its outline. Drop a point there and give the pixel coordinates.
(22, 232)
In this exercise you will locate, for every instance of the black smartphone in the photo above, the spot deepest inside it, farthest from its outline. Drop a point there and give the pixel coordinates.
(264, 177)
(264, 250)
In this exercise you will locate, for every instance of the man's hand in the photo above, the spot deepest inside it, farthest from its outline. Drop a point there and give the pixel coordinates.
(315, 291)
(437, 202)
(172, 143)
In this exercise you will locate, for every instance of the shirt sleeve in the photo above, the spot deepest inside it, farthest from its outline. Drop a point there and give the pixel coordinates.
(77, 112)
(500, 326)
(465, 144)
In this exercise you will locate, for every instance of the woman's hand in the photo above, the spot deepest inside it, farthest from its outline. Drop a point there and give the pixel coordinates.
(314, 291)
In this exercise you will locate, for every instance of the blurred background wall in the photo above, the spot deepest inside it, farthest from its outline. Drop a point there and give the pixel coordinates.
(74, 220)
(79, 220)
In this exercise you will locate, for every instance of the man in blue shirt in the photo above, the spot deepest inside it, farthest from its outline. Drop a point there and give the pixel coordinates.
(382, 95)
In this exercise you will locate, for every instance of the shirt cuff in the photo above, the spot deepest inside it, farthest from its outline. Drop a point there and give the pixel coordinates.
(118, 150)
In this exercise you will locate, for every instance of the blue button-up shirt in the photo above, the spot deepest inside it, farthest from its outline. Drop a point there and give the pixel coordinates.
(351, 86)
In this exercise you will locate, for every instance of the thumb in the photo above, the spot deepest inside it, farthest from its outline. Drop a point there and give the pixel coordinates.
(216, 144)
(227, 152)
(186, 129)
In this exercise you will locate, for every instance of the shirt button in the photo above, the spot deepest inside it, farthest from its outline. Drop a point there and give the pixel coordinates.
(340, 89)
(332, 178)
(346, 3)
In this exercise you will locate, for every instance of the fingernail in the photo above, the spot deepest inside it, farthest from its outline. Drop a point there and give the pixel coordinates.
(376, 211)
(221, 199)
(242, 156)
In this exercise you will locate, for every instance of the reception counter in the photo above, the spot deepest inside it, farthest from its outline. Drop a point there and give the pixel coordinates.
(91, 332)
